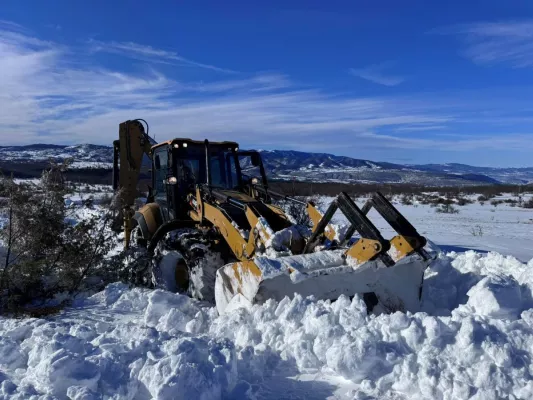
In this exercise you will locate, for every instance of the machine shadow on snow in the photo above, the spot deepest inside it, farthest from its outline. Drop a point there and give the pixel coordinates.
(281, 387)
(282, 382)
(459, 249)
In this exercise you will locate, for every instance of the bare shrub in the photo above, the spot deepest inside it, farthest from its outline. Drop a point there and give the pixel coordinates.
(528, 203)
(446, 209)
(495, 203)
(422, 199)
(406, 199)
(463, 201)
(106, 200)
(476, 230)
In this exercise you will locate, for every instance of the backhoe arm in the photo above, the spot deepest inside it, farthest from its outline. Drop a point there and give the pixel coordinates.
(128, 154)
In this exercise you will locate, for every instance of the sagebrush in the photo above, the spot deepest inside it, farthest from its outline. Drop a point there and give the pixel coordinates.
(48, 250)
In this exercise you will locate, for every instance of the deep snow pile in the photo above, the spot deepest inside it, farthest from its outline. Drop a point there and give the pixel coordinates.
(475, 340)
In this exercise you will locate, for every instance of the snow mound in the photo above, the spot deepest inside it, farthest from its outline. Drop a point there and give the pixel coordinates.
(474, 339)
(496, 297)
(450, 278)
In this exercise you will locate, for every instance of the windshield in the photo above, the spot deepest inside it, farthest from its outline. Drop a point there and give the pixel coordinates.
(223, 170)
(190, 165)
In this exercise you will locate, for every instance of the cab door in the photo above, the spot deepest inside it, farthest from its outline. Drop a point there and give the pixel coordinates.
(252, 174)
(161, 171)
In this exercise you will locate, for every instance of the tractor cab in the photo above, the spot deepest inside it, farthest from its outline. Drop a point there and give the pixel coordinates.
(181, 165)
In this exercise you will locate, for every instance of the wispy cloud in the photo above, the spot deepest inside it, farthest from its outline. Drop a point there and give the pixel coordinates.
(45, 97)
(423, 128)
(12, 26)
(508, 43)
(374, 73)
(151, 54)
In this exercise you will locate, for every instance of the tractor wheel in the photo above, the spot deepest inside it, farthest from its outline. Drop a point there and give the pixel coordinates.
(186, 263)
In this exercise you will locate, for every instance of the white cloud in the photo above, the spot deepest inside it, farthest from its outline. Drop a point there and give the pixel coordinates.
(45, 97)
(12, 26)
(374, 73)
(509, 43)
(423, 128)
(149, 53)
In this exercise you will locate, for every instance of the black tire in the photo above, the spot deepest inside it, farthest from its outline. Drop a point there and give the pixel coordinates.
(201, 258)
(203, 261)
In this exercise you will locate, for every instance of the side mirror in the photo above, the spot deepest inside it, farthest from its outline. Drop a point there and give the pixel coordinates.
(157, 162)
(256, 159)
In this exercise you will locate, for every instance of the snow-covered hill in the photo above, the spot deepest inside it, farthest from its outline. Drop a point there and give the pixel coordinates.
(288, 164)
(318, 167)
(83, 155)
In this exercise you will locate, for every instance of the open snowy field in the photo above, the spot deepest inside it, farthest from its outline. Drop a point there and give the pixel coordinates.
(474, 338)
(502, 228)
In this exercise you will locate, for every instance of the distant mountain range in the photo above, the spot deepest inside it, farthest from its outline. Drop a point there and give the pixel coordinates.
(294, 165)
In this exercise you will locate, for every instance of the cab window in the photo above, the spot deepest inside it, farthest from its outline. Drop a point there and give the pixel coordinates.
(160, 174)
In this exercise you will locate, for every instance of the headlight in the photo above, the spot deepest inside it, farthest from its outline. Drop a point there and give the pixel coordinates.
(255, 181)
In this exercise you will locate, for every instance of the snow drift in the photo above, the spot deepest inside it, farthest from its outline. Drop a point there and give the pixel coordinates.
(473, 339)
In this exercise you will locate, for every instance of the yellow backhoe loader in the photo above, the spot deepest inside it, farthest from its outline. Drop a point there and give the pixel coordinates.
(213, 232)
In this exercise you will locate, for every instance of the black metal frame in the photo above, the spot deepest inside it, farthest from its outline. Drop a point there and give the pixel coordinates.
(396, 220)
(358, 220)
(390, 214)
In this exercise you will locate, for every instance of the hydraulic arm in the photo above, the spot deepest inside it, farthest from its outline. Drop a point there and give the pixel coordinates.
(128, 154)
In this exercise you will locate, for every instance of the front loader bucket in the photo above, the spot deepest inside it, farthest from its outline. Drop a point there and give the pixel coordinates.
(325, 275)
(389, 274)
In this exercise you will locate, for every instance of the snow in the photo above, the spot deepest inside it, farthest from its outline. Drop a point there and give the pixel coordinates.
(504, 229)
(473, 339)
(90, 165)
(496, 297)
(282, 240)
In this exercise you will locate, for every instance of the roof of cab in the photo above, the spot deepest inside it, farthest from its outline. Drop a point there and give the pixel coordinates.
(191, 141)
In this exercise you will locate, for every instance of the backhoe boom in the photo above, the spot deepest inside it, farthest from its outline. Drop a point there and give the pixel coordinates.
(128, 154)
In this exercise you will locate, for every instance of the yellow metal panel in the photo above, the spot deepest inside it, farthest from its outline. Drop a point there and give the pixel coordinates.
(402, 246)
(231, 234)
(364, 250)
(245, 268)
(130, 132)
(242, 197)
(278, 210)
(316, 216)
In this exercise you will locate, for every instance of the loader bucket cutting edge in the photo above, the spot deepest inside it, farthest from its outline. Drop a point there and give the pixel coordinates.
(325, 275)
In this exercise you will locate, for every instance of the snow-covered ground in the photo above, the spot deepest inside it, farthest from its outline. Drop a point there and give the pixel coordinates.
(474, 338)
(504, 229)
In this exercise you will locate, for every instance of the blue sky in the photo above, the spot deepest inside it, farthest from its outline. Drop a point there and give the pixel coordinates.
(416, 82)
